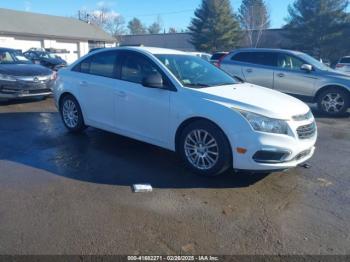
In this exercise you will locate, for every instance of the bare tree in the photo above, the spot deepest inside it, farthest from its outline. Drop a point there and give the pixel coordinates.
(254, 17)
(106, 19)
(116, 27)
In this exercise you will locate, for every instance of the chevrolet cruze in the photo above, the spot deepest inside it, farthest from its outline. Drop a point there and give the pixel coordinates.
(185, 104)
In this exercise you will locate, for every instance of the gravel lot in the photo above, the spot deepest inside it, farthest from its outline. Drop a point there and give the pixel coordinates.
(71, 194)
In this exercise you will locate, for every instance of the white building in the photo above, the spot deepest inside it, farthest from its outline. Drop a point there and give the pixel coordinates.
(68, 37)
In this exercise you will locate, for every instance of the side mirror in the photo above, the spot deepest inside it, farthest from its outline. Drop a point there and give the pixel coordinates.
(306, 67)
(154, 80)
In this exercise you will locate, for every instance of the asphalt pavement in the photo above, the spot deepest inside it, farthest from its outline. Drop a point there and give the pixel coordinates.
(71, 194)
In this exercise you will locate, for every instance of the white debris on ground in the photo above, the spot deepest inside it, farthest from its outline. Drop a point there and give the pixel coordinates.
(142, 188)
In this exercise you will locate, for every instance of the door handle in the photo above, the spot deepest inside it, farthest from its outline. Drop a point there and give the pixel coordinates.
(281, 75)
(83, 83)
(249, 70)
(121, 94)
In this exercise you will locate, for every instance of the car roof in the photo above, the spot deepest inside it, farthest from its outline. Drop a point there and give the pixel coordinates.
(146, 49)
(267, 50)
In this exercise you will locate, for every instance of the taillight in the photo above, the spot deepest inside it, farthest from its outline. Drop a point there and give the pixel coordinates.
(54, 75)
(220, 60)
(339, 65)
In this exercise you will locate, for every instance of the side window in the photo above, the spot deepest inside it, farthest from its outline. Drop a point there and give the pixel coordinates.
(103, 64)
(258, 58)
(242, 57)
(83, 66)
(264, 58)
(135, 68)
(289, 62)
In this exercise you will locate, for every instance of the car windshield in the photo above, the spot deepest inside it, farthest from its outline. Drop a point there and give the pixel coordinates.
(314, 62)
(195, 72)
(11, 57)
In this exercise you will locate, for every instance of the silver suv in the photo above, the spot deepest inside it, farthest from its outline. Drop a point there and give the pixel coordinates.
(292, 72)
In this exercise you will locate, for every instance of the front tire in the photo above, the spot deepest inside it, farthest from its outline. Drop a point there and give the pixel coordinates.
(71, 114)
(333, 101)
(205, 149)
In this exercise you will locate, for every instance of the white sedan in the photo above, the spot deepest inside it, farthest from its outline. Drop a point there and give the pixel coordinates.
(183, 103)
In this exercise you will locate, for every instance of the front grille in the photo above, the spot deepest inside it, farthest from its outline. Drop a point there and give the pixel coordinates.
(307, 131)
(40, 91)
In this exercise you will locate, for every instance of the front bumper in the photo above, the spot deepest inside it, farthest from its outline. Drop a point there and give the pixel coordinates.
(297, 150)
(21, 89)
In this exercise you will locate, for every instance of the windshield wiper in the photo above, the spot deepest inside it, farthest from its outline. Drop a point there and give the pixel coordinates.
(225, 84)
(197, 85)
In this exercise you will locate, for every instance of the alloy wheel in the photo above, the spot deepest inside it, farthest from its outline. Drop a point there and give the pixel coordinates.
(201, 149)
(70, 113)
(333, 103)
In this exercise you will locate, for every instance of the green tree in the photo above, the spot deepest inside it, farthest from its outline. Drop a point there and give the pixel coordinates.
(136, 27)
(214, 27)
(319, 27)
(172, 30)
(156, 27)
(254, 18)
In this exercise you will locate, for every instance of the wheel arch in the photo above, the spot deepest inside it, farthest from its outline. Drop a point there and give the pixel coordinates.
(192, 120)
(63, 95)
(347, 91)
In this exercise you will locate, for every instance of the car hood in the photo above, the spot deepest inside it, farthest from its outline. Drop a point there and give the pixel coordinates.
(337, 74)
(23, 70)
(255, 99)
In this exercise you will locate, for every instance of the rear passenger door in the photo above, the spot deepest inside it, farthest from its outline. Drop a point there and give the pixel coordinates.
(257, 67)
(97, 84)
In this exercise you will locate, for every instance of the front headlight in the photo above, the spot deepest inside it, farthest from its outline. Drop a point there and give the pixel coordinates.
(265, 124)
(6, 78)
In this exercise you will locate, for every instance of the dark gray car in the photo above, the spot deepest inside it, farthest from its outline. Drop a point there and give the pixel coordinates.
(292, 72)
(20, 78)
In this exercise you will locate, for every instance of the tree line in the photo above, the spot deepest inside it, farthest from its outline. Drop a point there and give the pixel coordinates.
(318, 27)
(115, 24)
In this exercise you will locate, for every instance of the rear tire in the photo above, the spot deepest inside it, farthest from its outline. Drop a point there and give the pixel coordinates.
(333, 101)
(71, 114)
(205, 149)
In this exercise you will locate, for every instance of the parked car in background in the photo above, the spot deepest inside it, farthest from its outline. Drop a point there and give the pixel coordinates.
(204, 56)
(49, 60)
(20, 78)
(343, 65)
(182, 103)
(294, 73)
(95, 49)
(216, 57)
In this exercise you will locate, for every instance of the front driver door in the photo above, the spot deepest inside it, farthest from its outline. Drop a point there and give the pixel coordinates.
(142, 112)
(289, 78)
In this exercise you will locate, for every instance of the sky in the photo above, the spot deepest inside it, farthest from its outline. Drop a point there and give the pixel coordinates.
(173, 13)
